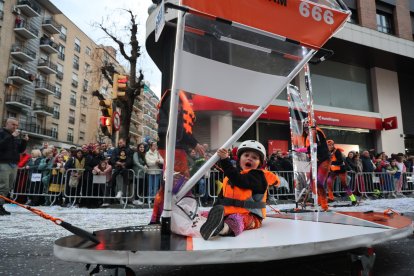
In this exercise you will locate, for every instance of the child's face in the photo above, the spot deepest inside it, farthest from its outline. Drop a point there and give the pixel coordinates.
(249, 160)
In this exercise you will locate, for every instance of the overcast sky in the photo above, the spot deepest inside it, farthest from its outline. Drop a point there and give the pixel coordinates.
(84, 13)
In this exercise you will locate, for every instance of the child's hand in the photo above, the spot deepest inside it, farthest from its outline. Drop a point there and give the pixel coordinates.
(222, 153)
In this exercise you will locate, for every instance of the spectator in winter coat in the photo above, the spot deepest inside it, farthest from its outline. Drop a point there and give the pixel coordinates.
(45, 168)
(154, 162)
(121, 162)
(12, 143)
(368, 167)
(140, 168)
(33, 187)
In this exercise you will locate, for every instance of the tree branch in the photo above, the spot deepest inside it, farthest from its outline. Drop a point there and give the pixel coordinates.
(117, 41)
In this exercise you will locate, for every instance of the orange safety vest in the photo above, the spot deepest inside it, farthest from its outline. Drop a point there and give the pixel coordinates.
(188, 113)
(246, 195)
(334, 168)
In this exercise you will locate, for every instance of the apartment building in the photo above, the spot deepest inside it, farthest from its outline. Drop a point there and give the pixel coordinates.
(364, 87)
(144, 117)
(49, 68)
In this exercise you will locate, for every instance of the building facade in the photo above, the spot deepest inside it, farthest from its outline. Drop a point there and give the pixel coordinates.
(49, 69)
(365, 85)
(144, 117)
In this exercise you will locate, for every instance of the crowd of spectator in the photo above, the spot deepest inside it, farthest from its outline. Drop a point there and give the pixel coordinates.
(115, 165)
(76, 168)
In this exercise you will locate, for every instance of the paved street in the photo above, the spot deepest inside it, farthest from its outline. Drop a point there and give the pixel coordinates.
(33, 256)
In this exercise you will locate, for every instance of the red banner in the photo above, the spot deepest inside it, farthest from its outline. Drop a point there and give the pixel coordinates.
(303, 21)
(280, 113)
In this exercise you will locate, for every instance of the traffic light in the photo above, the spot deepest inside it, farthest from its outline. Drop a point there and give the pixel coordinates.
(105, 123)
(119, 87)
(105, 120)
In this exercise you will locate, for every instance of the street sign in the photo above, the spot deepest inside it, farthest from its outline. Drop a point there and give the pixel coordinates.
(159, 20)
(116, 121)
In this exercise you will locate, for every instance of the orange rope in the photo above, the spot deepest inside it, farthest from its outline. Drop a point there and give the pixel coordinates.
(38, 212)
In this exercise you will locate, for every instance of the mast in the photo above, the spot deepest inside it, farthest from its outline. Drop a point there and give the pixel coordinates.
(172, 130)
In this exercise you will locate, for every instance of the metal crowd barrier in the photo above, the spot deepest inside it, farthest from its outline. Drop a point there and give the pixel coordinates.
(72, 187)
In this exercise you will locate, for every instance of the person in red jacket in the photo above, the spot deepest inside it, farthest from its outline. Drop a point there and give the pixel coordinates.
(241, 204)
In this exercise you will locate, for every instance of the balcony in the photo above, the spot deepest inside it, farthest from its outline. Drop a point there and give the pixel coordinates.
(59, 75)
(45, 88)
(35, 130)
(135, 121)
(22, 53)
(48, 46)
(29, 8)
(20, 76)
(25, 30)
(43, 109)
(47, 67)
(18, 101)
(71, 120)
(51, 26)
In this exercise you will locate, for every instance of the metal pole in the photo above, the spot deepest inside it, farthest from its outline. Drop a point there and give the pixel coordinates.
(172, 130)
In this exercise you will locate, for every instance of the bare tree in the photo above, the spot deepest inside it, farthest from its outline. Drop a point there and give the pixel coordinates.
(135, 83)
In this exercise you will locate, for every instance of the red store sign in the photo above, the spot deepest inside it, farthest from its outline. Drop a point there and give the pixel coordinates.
(281, 113)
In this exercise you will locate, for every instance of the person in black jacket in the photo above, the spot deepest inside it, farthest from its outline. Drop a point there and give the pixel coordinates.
(12, 143)
(121, 162)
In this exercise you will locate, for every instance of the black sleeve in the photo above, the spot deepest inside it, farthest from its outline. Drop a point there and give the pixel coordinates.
(339, 160)
(253, 180)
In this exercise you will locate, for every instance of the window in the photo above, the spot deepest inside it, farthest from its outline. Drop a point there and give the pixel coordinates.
(73, 98)
(70, 135)
(59, 74)
(84, 100)
(85, 85)
(76, 62)
(1, 9)
(83, 118)
(61, 52)
(81, 135)
(63, 32)
(54, 131)
(88, 51)
(71, 116)
(384, 23)
(74, 80)
(58, 91)
(77, 45)
(385, 18)
(56, 110)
